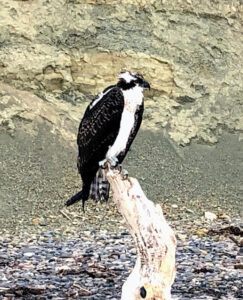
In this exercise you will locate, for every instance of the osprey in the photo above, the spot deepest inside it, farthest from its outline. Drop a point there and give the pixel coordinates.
(106, 132)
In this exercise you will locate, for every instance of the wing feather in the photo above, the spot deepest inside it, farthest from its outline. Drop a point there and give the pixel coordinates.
(99, 128)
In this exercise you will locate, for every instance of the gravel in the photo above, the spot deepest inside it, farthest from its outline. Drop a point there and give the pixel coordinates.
(94, 265)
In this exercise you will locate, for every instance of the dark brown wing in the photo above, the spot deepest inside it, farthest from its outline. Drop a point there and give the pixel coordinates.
(98, 130)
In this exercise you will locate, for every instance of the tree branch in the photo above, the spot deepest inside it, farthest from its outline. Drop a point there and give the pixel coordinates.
(154, 271)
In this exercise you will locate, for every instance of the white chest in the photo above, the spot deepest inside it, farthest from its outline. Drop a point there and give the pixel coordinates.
(133, 98)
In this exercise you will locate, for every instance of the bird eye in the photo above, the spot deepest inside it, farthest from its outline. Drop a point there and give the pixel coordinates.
(139, 81)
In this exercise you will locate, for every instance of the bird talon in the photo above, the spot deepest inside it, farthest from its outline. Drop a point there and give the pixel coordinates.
(119, 168)
(103, 164)
(124, 174)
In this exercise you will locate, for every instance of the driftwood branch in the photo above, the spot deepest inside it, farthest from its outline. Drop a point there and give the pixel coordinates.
(154, 271)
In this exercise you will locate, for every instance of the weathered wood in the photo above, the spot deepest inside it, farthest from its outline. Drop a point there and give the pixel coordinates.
(154, 271)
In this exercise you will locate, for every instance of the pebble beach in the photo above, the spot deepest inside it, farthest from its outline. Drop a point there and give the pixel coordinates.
(93, 264)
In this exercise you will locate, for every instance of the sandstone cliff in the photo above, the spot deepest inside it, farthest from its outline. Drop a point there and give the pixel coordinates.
(62, 52)
(190, 51)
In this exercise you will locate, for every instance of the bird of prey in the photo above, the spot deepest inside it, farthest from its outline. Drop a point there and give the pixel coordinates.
(106, 132)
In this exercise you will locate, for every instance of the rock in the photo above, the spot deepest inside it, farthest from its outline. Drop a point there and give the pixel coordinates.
(43, 221)
(181, 236)
(225, 217)
(239, 266)
(182, 56)
(101, 274)
(29, 254)
(36, 221)
(201, 231)
(209, 216)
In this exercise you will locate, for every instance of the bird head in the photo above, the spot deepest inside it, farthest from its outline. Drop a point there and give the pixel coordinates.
(128, 80)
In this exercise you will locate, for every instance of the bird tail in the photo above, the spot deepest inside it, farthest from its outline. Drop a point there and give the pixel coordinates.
(99, 190)
(100, 187)
(81, 195)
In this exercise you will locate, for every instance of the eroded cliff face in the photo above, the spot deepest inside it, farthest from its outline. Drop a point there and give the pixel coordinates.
(190, 51)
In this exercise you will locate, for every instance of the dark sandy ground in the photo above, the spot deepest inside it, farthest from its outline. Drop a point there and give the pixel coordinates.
(46, 250)
(38, 173)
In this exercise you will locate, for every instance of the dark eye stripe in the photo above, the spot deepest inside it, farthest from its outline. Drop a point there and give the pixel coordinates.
(139, 80)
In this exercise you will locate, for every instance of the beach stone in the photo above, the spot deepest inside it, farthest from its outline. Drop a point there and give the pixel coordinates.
(209, 216)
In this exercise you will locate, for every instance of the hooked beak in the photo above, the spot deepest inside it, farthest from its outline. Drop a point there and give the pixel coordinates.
(146, 85)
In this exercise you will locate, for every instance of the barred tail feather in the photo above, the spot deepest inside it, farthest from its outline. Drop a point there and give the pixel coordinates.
(100, 187)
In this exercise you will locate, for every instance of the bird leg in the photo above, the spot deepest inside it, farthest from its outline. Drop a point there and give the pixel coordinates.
(113, 162)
